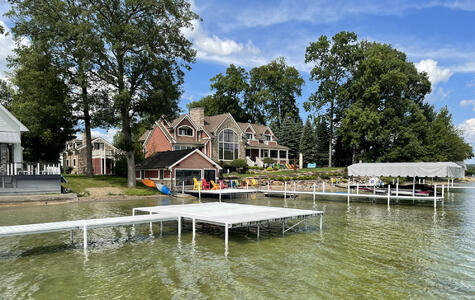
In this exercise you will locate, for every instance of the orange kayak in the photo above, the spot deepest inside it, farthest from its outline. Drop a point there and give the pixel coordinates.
(149, 183)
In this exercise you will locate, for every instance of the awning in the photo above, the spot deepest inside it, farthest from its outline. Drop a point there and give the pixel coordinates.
(7, 137)
(410, 169)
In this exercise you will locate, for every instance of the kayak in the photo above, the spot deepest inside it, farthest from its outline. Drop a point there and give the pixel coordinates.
(163, 189)
(148, 182)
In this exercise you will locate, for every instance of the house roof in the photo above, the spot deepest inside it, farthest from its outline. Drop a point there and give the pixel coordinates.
(212, 122)
(14, 119)
(163, 160)
(265, 146)
(97, 139)
(143, 137)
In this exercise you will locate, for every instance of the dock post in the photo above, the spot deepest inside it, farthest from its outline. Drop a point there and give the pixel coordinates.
(219, 194)
(443, 196)
(179, 227)
(389, 194)
(448, 185)
(294, 189)
(84, 229)
(268, 185)
(357, 188)
(435, 195)
(226, 237)
(323, 187)
(348, 192)
(452, 182)
(314, 190)
(199, 192)
(194, 230)
(258, 233)
(285, 190)
(72, 236)
(321, 221)
(183, 187)
(161, 228)
(247, 185)
(413, 186)
(283, 227)
(151, 231)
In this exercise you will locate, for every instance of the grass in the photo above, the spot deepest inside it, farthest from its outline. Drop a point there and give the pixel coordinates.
(285, 172)
(79, 183)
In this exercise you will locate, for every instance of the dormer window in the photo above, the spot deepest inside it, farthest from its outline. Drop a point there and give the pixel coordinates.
(185, 131)
(267, 137)
(249, 136)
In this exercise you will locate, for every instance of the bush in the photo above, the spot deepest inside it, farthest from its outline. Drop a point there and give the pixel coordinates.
(240, 165)
(280, 178)
(68, 170)
(268, 160)
(269, 169)
(275, 168)
(287, 178)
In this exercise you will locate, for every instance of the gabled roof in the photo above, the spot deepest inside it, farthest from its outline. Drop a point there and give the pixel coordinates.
(96, 140)
(212, 122)
(22, 127)
(167, 159)
(144, 136)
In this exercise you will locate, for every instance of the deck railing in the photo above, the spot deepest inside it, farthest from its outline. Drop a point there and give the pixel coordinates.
(18, 168)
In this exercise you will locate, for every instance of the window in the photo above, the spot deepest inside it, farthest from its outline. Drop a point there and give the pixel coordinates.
(228, 146)
(273, 153)
(74, 162)
(98, 146)
(249, 136)
(183, 147)
(161, 174)
(267, 137)
(248, 152)
(187, 176)
(283, 154)
(185, 131)
(67, 163)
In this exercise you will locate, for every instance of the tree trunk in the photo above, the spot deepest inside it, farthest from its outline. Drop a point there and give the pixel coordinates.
(130, 155)
(87, 130)
(330, 143)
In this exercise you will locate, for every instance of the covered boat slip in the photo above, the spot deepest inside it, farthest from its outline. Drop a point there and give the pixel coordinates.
(408, 169)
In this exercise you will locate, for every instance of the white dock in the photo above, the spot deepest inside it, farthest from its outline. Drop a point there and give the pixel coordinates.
(83, 225)
(232, 215)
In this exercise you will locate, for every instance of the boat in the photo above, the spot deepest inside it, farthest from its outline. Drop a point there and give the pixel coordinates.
(160, 187)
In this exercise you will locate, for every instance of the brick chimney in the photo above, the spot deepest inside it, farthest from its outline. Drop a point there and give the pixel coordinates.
(197, 114)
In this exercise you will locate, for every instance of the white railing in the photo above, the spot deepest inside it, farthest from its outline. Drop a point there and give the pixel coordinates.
(33, 169)
(259, 162)
(249, 162)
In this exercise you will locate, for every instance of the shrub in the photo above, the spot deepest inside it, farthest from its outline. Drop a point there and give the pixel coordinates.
(269, 169)
(275, 168)
(268, 160)
(280, 178)
(68, 170)
(287, 178)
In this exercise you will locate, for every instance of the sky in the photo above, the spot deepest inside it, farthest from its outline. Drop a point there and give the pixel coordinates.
(436, 35)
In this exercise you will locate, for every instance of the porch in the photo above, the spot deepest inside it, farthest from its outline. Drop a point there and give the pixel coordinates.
(256, 155)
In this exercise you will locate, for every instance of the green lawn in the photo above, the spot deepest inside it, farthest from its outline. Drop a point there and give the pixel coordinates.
(79, 184)
(285, 172)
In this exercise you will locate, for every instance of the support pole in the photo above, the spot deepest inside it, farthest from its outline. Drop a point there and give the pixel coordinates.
(72, 236)
(435, 195)
(357, 188)
(219, 194)
(179, 227)
(397, 187)
(323, 187)
(348, 192)
(389, 194)
(84, 229)
(452, 182)
(151, 232)
(199, 192)
(314, 190)
(226, 236)
(443, 196)
(161, 228)
(194, 230)
(258, 233)
(183, 187)
(283, 227)
(448, 185)
(321, 221)
(413, 186)
(294, 189)
(285, 190)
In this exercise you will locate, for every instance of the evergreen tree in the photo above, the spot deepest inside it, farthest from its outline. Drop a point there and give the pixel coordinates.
(289, 135)
(321, 141)
(308, 143)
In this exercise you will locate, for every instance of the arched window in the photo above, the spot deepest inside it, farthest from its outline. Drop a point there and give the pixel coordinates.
(185, 131)
(228, 145)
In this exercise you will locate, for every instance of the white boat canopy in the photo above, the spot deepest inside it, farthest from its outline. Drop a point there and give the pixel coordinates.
(408, 169)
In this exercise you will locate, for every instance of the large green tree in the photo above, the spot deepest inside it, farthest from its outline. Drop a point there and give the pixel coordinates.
(6, 92)
(333, 61)
(42, 104)
(142, 57)
(273, 91)
(308, 143)
(229, 90)
(289, 135)
(63, 28)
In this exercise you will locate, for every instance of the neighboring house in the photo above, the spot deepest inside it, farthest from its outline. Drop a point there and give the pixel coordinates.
(219, 137)
(175, 168)
(103, 156)
(11, 152)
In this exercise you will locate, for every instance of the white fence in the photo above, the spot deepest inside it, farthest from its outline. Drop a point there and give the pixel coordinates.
(33, 169)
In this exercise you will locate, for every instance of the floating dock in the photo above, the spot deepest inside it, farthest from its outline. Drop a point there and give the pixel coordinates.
(228, 215)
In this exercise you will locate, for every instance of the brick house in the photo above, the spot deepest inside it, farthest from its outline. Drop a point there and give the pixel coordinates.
(219, 137)
(174, 168)
(103, 156)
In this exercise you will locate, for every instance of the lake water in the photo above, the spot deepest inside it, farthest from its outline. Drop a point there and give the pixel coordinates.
(363, 251)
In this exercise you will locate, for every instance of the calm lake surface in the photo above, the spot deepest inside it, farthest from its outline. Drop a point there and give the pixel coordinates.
(364, 251)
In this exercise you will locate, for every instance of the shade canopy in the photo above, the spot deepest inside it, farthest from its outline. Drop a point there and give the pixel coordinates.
(409, 169)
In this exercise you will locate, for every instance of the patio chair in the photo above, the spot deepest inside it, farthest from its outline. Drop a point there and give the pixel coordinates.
(196, 184)
(223, 184)
(215, 186)
(205, 184)
(254, 182)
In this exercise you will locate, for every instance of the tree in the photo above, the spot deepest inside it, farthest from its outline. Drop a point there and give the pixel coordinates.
(308, 143)
(6, 92)
(333, 62)
(42, 104)
(289, 136)
(273, 91)
(63, 28)
(385, 119)
(229, 90)
(142, 55)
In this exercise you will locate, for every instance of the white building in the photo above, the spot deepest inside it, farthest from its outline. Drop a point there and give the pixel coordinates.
(11, 150)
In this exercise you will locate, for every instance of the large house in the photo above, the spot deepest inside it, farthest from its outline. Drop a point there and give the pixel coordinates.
(11, 152)
(103, 156)
(219, 137)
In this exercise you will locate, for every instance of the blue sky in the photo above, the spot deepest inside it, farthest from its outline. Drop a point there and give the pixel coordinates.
(436, 35)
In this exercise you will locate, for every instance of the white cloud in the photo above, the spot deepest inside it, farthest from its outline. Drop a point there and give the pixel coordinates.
(468, 128)
(437, 95)
(435, 73)
(468, 103)
(7, 44)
